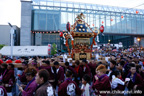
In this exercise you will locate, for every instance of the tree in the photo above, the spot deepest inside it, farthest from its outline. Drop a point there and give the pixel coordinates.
(54, 49)
(1, 46)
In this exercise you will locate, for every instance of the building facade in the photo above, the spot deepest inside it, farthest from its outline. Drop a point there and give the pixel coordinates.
(5, 35)
(42, 20)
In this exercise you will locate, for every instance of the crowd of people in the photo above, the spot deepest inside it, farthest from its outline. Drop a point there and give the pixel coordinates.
(120, 75)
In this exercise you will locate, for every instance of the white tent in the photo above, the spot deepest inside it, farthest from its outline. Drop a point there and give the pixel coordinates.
(25, 51)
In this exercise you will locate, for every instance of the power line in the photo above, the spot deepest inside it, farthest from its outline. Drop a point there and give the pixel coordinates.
(139, 5)
(135, 6)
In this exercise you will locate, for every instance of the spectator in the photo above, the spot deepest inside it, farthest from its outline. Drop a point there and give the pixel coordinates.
(85, 85)
(117, 83)
(136, 81)
(44, 88)
(31, 86)
(112, 66)
(23, 77)
(139, 70)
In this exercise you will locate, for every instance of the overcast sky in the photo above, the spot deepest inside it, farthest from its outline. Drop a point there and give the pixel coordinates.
(10, 10)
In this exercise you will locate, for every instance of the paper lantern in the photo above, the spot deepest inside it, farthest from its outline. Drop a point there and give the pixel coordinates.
(137, 12)
(102, 29)
(61, 34)
(102, 22)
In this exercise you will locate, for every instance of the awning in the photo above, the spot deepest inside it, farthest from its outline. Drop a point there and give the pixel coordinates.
(25, 51)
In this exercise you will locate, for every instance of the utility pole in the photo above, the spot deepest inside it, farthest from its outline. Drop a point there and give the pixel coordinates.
(11, 43)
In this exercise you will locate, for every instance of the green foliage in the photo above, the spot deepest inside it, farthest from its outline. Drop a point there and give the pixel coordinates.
(54, 49)
(1, 46)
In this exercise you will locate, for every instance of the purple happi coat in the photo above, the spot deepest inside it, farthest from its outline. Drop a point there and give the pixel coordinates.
(51, 72)
(136, 80)
(23, 78)
(56, 76)
(3, 91)
(29, 91)
(52, 77)
(86, 70)
(102, 84)
(73, 71)
(60, 74)
(45, 67)
(69, 88)
(8, 79)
